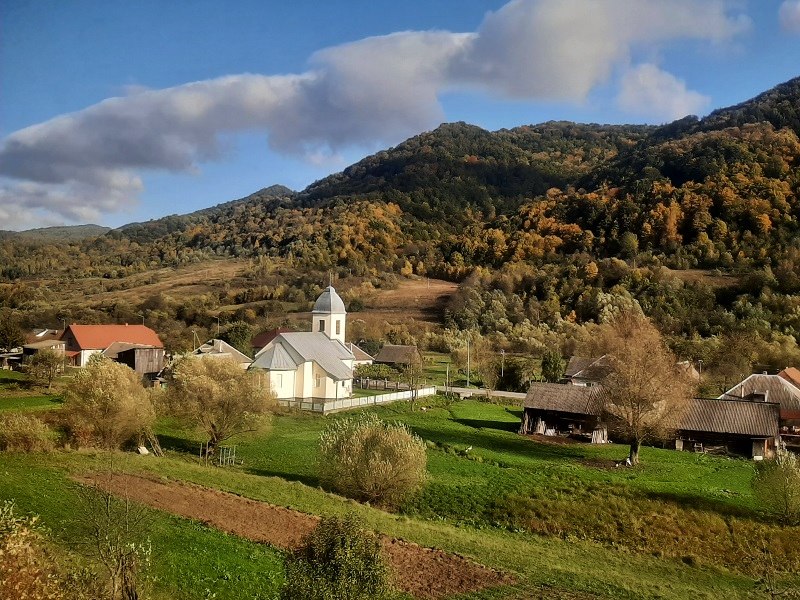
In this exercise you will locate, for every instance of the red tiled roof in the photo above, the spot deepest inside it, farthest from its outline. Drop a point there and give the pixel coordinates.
(265, 337)
(100, 337)
(792, 375)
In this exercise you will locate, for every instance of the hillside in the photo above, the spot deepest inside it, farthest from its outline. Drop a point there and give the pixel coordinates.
(532, 221)
(51, 234)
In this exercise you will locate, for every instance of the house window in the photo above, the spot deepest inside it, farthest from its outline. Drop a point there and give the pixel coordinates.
(318, 381)
(322, 325)
(338, 327)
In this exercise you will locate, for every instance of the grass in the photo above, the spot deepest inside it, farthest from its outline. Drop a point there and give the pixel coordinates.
(30, 403)
(553, 514)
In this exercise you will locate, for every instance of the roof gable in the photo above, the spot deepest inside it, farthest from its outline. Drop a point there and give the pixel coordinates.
(215, 347)
(776, 388)
(275, 358)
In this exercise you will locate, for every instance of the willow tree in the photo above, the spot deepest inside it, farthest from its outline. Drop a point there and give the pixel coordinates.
(218, 397)
(645, 392)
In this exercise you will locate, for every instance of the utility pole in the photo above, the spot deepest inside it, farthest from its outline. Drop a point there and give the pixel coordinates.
(467, 361)
(502, 361)
(217, 327)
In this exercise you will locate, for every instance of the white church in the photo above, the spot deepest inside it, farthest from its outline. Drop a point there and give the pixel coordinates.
(308, 370)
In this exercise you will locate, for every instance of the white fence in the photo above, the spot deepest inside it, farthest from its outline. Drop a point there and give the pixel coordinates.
(348, 403)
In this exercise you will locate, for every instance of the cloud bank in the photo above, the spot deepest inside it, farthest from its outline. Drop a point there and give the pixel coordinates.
(79, 166)
(789, 16)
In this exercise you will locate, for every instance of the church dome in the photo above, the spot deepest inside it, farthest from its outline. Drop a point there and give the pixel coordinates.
(329, 302)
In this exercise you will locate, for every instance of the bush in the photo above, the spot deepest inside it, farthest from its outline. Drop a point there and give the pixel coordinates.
(29, 571)
(776, 484)
(368, 459)
(105, 405)
(24, 433)
(339, 560)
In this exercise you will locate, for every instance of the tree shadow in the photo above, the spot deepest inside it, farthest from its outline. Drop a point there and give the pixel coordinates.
(487, 424)
(691, 501)
(308, 480)
(179, 444)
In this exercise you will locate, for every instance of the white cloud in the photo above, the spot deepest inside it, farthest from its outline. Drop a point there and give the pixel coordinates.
(648, 91)
(377, 90)
(789, 15)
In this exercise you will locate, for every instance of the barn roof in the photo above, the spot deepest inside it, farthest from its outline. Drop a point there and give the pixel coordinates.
(100, 337)
(397, 354)
(575, 399)
(114, 349)
(742, 417)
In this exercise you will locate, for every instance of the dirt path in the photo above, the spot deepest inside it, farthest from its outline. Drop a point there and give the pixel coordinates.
(422, 572)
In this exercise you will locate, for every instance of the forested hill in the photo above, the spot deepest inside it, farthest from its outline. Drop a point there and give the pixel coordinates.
(560, 198)
(436, 175)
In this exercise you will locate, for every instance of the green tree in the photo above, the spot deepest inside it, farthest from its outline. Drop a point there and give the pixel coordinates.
(45, 365)
(11, 334)
(552, 366)
(218, 397)
(339, 560)
(239, 334)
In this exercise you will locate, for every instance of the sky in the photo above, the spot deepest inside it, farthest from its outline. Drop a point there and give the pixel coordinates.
(116, 111)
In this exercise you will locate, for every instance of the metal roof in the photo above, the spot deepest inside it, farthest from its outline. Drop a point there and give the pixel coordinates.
(329, 302)
(757, 419)
(275, 358)
(222, 349)
(319, 348)
(774, 387)
(589, 369)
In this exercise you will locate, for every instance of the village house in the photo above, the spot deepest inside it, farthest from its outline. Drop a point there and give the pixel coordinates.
(147, 361)
(83, 341)
(221, 349)
(308, 370)
(587, 372)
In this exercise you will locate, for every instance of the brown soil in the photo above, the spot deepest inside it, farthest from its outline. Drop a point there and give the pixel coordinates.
(422, 572)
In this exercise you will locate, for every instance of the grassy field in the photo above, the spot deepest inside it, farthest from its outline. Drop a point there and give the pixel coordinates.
(560, 517)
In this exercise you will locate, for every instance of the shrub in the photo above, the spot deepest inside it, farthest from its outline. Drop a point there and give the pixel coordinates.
(339, 560)
(777, 486)
(25, 433)
(368, 459)
(28, 571)
(105, 405)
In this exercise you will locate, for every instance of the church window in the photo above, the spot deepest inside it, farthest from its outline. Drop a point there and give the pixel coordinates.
(338, 327)
(322, 325)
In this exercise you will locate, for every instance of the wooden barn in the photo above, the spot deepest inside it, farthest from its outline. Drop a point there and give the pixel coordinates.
(558, 409)
(739, 426)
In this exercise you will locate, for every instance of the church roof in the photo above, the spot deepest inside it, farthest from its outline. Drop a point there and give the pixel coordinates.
(300, 347)
(275, 358)
(329, 302)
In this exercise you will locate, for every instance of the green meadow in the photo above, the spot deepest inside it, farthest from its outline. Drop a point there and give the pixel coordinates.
(560, 517)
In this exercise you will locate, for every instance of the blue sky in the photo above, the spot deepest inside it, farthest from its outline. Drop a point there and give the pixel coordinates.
(119, 111)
